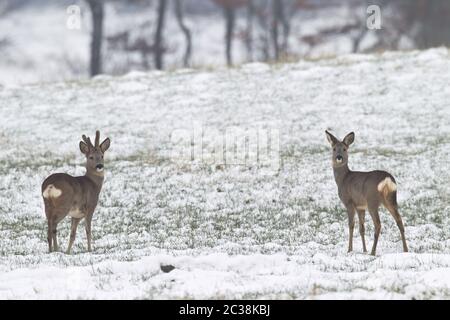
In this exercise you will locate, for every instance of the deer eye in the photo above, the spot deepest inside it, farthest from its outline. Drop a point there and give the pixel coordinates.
(91, 157)
(334, 149)
(345, 149)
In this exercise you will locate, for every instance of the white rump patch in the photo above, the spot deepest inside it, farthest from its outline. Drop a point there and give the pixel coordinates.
(76, 213)
(51, 192)
(387, 182)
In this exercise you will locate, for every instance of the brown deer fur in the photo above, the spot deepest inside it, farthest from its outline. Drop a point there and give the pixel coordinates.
(75, 196)
(359, 191)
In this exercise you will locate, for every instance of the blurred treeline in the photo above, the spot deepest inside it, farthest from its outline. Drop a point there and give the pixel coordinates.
(270, 30)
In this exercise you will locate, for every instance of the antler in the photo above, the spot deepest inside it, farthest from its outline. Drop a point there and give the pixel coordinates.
(97, 138)
(87, 140)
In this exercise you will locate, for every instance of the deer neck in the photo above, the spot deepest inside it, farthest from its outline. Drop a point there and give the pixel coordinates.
(340, 173)
(95, 177)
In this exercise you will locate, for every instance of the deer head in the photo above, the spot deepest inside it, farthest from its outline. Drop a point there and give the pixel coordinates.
(340, 148)
(94, 153)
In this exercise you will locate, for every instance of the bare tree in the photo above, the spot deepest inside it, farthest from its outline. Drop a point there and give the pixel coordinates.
(262, 10)
(432, 16)
(426, 22)
(229, 8)
(358, 28)
(186, 32)
(285, 20)
(159, 49)
(279, 18)
(249, 29)
(230, 21)
(142, 46)
(97, 11)
(276, 8)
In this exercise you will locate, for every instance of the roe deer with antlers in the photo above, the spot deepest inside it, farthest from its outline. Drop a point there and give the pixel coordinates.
(75, 196)
(359, 191)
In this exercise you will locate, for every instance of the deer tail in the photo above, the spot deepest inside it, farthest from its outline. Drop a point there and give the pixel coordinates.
(388, 188)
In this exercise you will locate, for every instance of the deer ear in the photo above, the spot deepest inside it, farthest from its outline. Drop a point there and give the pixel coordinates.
(331, 139)
(348, 140)
(105, 145)
(84, 147)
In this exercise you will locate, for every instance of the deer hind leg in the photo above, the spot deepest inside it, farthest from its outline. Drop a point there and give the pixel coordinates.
(351, 226)
(54, 224)
(392, 208)
(377, 225)
(51, 227)
(54, 216)
(49, 235)
(361, 216)
(73, 233)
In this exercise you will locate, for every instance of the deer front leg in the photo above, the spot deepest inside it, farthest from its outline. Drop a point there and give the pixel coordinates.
(362, 231)
(49, 235)
(73, 233)
(377, 225)
(89, 232)
(351, 225)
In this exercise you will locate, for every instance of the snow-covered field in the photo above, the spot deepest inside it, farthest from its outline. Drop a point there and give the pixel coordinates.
(232, 231)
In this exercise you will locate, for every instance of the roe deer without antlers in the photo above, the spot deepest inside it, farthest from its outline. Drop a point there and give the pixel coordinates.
(359, 191)
(75, 196)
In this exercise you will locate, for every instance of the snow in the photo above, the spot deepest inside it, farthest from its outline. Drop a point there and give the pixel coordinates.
(232, 231)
